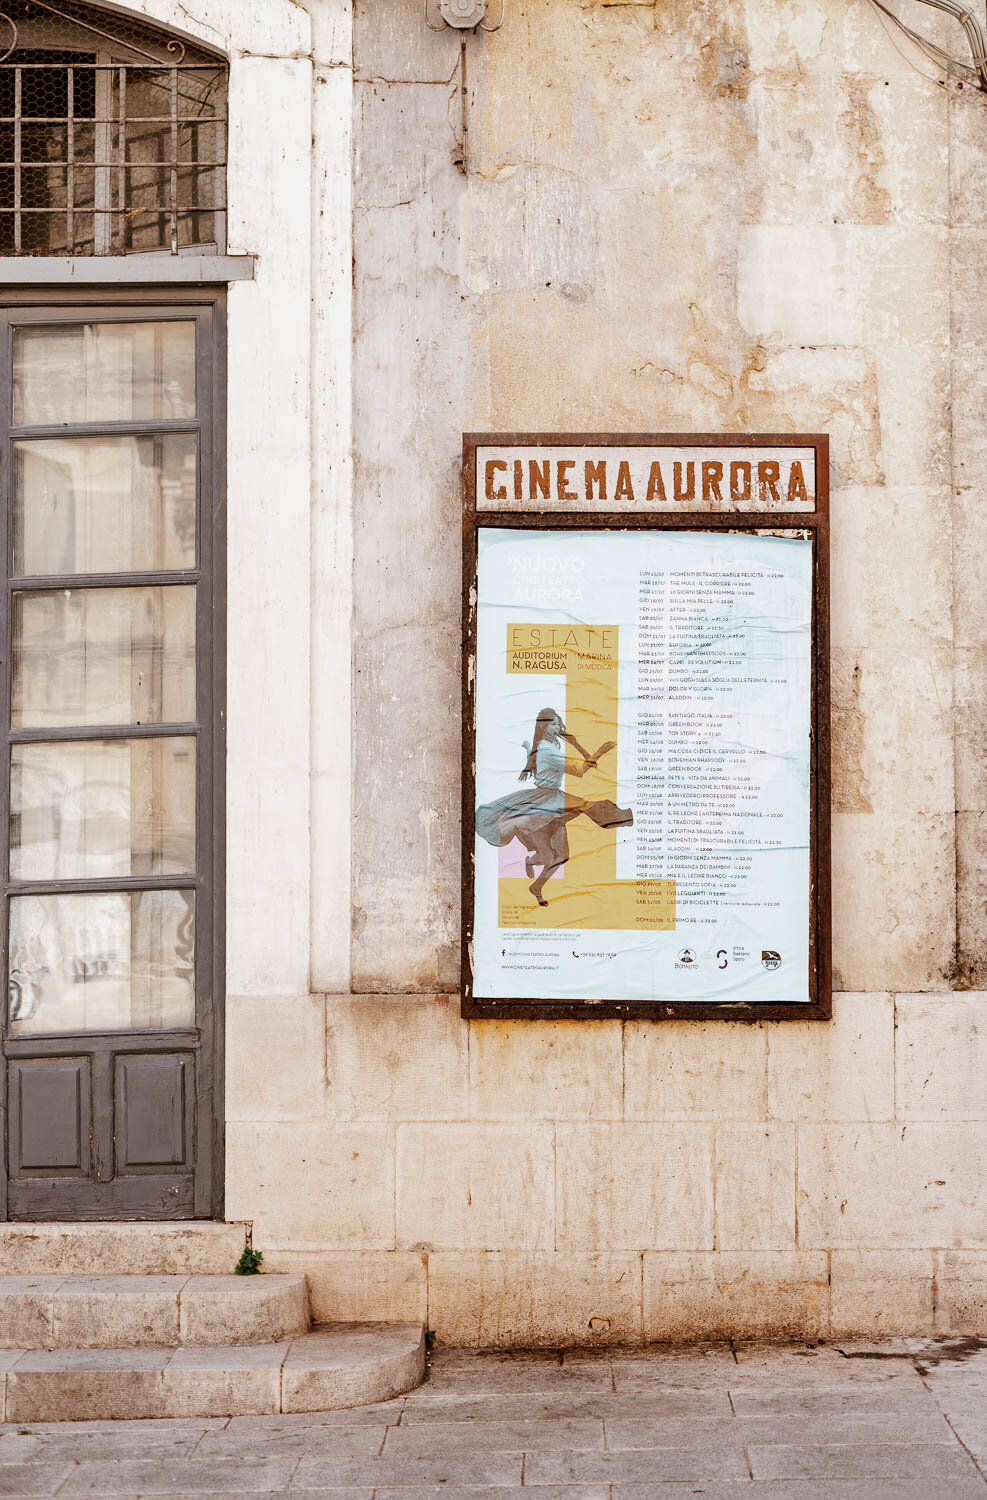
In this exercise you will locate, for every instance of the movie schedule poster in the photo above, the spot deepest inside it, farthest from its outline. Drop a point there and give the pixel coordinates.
(641, 791)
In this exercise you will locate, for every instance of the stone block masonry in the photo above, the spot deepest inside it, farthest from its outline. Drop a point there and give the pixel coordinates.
(558, 1204)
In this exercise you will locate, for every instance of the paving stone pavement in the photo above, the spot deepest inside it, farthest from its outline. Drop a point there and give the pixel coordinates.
(894, 1421)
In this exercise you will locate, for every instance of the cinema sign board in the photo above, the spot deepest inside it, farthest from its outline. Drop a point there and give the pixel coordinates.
(646, 726)
(670, 477)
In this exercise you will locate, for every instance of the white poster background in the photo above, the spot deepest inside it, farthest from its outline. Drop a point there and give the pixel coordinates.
(733, 811)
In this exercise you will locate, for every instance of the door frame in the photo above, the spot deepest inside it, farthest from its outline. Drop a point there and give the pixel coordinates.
(118, 304)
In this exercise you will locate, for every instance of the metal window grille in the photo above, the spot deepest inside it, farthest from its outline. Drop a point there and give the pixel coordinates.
(112, 135)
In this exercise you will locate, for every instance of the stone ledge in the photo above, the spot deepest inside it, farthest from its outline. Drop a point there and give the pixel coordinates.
(124, 270)
(187, 1248)
(113, 1312)
(335, 1367)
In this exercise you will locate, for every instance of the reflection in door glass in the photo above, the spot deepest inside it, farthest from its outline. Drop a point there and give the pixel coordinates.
(103, 961)
(103, 656)
(103, 372)
(104, 504)
(99, 809)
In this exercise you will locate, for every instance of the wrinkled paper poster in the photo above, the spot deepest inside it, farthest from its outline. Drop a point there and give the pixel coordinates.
(642, 765)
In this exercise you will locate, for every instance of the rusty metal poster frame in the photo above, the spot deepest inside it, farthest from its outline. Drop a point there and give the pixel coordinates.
(815, 522)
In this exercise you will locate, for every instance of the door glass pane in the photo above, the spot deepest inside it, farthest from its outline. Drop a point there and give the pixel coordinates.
(103, 372)
(97, 809)
(104, 505)
(103, 656)
(106, 961)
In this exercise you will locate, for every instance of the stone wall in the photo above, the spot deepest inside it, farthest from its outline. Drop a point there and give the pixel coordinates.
(672, 216)
(536, 1182)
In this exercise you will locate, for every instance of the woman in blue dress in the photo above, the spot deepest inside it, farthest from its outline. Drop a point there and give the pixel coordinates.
(538, 815)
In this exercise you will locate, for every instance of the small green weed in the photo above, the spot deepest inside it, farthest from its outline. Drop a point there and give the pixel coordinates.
(249, 1262)
(430, 1339)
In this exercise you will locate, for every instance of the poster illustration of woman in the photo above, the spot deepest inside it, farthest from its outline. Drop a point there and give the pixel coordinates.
(538, 814)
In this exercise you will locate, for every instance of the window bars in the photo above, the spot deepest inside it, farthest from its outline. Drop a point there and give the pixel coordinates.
(112, 135)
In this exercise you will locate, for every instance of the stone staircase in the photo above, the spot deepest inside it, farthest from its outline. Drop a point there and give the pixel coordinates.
(180, 1342)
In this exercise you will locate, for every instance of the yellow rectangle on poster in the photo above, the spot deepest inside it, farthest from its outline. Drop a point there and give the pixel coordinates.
(621, 905)
(585, 893)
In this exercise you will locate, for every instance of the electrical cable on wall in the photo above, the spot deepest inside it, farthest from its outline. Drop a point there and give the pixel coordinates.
(463, 16)
(972, 26)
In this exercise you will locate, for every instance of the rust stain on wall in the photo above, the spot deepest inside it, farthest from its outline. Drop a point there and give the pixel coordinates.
(848, 726)
(859, 130)
(725, 69)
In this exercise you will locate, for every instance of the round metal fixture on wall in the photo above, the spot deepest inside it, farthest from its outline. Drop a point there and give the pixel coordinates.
(463, 14)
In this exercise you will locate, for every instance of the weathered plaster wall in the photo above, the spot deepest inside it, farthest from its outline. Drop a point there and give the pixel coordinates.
(716, 216)
(726, 217)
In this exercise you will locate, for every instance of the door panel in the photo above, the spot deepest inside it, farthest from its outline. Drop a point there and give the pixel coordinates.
(64, 1199)
(110, 1134)
(50, 1115)
(153, 1100)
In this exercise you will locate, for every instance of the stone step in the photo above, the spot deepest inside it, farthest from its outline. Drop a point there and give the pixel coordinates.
(335, 1366)
(189, 1248)
(115, 1312)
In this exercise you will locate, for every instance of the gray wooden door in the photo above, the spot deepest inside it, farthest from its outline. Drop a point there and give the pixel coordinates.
(112, 769)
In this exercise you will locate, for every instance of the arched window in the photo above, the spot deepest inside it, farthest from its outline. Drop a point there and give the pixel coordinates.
(112, 135)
